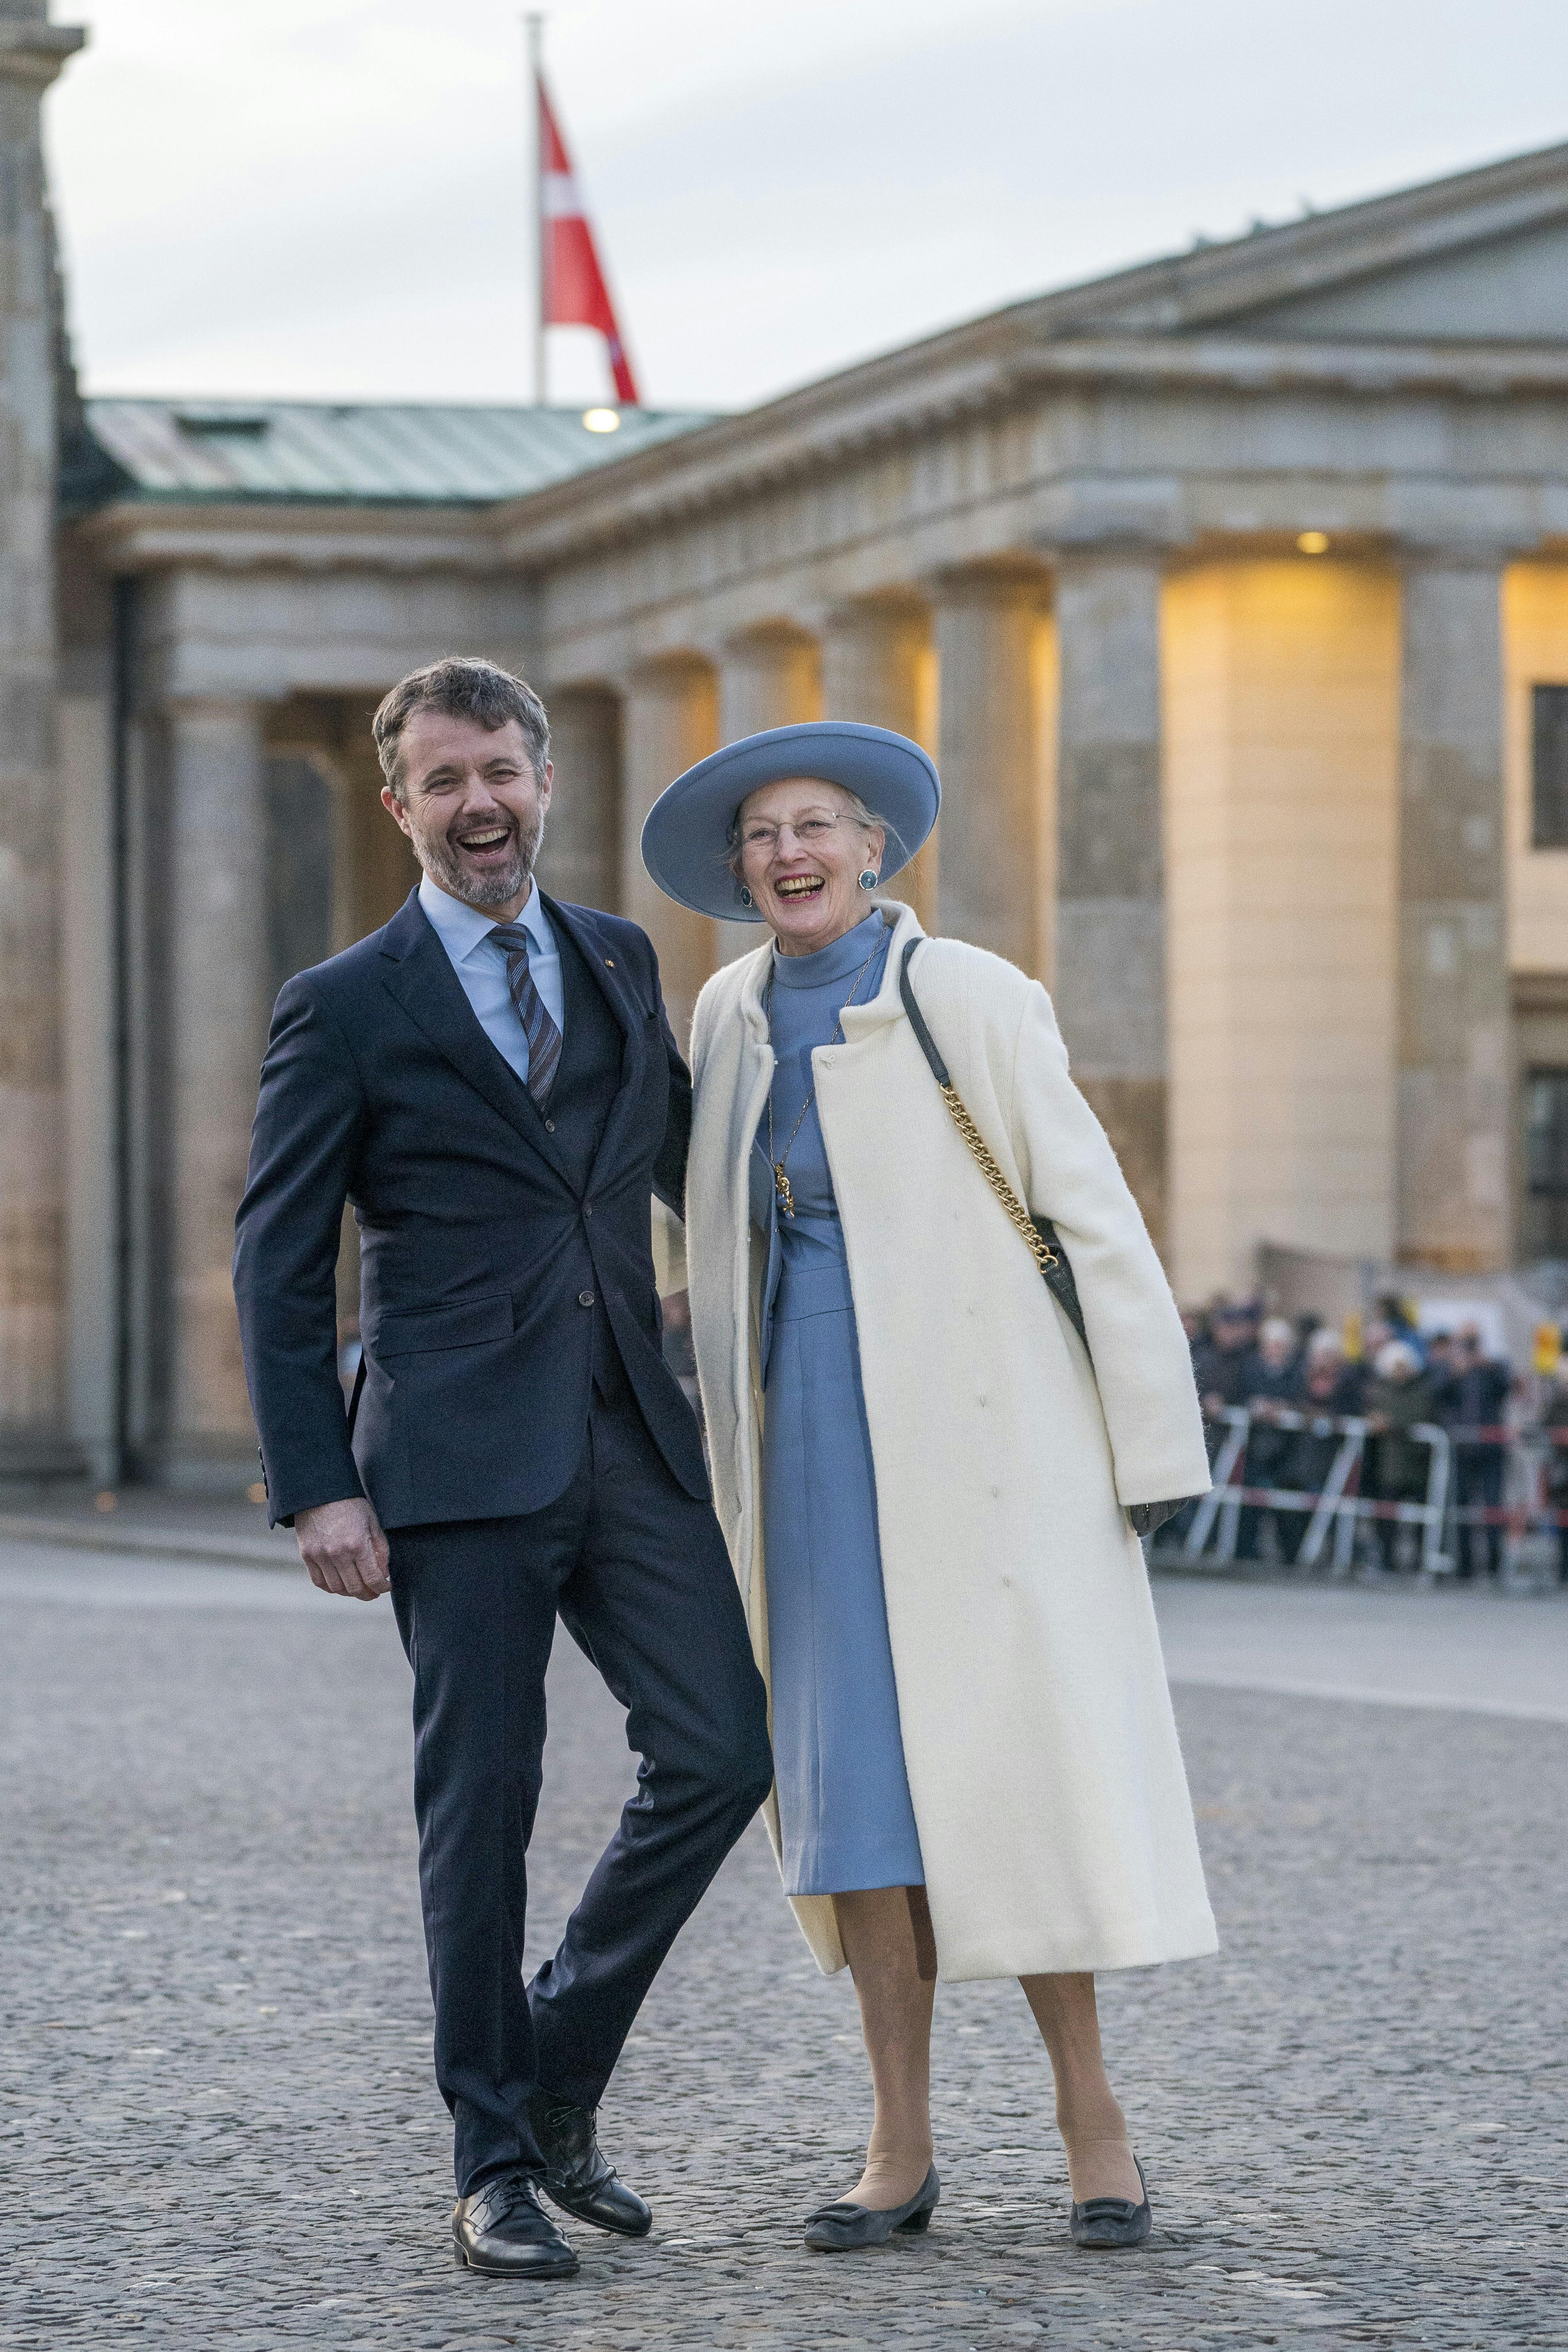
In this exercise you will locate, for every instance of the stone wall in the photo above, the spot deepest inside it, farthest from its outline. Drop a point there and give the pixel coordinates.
(33, 1347)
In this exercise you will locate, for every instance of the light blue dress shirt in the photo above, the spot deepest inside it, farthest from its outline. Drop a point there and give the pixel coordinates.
(479, 963)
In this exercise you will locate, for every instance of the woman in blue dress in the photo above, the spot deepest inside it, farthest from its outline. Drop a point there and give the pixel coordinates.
(811, 1096)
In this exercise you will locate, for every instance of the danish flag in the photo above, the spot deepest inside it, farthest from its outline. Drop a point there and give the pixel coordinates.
(573, 293)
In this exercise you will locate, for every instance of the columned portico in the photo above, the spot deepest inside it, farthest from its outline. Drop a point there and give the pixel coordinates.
(992, 637)
(670, 720)
(582, 856)
(1454, 1106)
(217, 967)
(1110, 909)
(879, 666)
(768, 676)
(1189, 577)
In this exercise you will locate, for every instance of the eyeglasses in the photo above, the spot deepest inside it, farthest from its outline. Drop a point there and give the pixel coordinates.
(810, 833)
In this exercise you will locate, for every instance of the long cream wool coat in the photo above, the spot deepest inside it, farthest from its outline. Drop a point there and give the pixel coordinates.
(1043, 1762)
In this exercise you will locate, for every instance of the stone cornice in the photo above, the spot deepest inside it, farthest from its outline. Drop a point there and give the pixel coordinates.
(138, 535)
(911, 393)
(33, 52)
(1323, 249)
(804, 437)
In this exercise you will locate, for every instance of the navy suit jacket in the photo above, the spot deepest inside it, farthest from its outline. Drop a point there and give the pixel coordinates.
(478, 1240)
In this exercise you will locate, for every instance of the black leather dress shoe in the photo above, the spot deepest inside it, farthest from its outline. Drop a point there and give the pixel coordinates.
(502, 2228)
(845, 2228)
(1104, 2223)
(577, 2176)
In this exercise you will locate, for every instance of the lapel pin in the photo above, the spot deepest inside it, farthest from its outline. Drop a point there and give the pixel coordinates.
(611, 961)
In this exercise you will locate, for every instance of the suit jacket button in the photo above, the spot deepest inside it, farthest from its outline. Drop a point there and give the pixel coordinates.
(585, 1298)
(550, 1127)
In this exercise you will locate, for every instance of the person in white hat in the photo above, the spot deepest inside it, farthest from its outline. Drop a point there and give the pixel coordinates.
(931, 1484)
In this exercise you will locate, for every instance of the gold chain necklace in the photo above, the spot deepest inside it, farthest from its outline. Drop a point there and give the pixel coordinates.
(781, 1181)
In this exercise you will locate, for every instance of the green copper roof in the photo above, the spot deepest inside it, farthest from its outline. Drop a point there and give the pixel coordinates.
(380, 451)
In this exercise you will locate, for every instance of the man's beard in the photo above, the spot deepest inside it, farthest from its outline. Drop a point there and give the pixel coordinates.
(443, 862)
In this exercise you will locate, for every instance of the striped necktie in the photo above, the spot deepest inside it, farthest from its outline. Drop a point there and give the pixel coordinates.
(542, 1035)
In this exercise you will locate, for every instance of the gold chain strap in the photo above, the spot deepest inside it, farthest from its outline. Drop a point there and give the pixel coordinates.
(1040, 1249)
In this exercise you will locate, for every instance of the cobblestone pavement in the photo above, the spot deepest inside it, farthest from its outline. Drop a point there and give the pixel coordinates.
(219, 2126)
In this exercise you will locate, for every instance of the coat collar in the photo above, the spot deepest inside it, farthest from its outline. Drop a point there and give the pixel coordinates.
(611, 974)
(859, 1019)
(461, 928)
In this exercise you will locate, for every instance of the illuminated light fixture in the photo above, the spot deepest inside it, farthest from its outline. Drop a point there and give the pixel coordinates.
(605, 420)
(1313, 542)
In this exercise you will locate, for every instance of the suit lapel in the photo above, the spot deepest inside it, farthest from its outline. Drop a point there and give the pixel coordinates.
(615, 986)
(612, 981)
(419, 975)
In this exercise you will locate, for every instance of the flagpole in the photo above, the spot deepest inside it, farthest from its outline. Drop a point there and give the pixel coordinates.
(535, 24)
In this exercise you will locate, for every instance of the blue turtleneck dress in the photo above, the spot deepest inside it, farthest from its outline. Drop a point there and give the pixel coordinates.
(844, 1798)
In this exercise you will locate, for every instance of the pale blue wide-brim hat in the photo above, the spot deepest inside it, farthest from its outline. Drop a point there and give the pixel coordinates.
(686, 839)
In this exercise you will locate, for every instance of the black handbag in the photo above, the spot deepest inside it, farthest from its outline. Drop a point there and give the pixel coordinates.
(1040, 1237)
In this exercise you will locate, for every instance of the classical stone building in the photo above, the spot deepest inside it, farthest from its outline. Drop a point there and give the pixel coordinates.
(1231, 592)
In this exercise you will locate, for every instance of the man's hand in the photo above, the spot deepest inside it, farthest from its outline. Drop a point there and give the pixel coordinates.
(342, 1546)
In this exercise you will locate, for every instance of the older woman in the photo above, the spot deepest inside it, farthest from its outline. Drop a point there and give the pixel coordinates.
(920, 1471)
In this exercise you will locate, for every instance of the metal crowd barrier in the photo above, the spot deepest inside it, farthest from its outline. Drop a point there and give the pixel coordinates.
(1534, 1529)
(1336, 1507)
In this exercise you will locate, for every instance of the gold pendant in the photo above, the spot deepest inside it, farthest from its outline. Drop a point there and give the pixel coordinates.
(781, 1186)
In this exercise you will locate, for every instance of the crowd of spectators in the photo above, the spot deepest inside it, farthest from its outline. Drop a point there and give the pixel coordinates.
(1393, 1377)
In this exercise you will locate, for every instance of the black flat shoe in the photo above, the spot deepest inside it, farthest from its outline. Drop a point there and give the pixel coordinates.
(577, 2176)
(1107, 2223)
(503, 2230)
(844, 2228)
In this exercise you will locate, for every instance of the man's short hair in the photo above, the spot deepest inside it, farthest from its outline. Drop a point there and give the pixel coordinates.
(460, 687)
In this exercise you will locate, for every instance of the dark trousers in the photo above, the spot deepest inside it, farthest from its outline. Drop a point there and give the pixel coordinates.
(1478, 1481)
(638, 1573)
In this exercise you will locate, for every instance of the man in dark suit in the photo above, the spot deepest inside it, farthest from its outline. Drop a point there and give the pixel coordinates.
(492, 1082)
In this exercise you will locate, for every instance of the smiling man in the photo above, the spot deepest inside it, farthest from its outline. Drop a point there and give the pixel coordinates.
(491, 1081)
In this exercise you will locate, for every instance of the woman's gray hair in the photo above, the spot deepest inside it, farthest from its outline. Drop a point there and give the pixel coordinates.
(857, 809)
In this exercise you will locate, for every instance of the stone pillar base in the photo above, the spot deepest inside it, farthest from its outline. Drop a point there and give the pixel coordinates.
(39, 1458)
(193, 1465)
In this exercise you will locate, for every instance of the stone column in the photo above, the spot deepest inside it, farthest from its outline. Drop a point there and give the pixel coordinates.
(582, 855)
(879, 666)
(989, 632)
(217, 959)
(767, 678)
(34, 1440)
(1453, 1150)
(669, 720)
(1111, 908)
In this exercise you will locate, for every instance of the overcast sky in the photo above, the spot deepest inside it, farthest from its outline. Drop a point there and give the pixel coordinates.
(329, 197)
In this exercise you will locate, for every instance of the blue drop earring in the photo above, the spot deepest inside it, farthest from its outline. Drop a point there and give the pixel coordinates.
(745, 896)
(868, 879)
